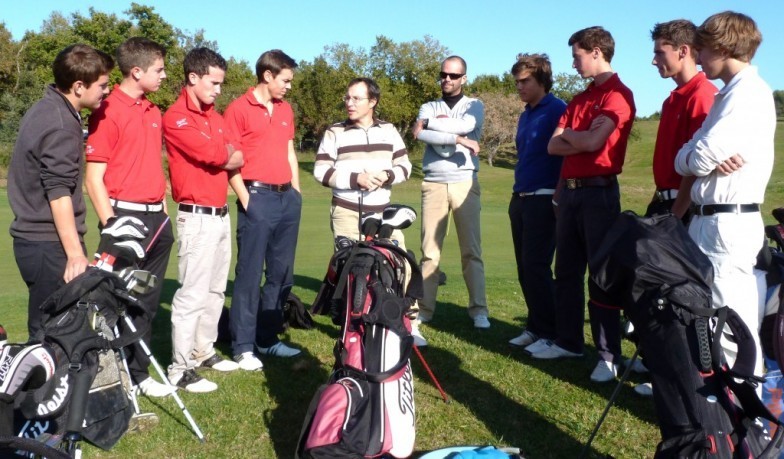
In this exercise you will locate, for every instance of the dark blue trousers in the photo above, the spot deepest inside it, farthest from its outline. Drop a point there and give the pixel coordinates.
(533, 234)
(584, 217)
(266, 243)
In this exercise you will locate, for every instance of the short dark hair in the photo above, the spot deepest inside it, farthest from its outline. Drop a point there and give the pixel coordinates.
(80, 63)
(138, 52)
(275, 61)
(594, 37)
(374, 92)
(676, 33)
(731, 33)
(199, 61)
(538, 65)
(457, 58)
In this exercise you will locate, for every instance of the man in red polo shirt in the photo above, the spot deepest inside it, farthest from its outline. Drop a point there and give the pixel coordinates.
(682, 112)
(269, 207)
(200, 154)
(591, 136)
(124, 176)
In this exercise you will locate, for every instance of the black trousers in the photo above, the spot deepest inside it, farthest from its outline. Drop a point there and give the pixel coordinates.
(42, 265)
(533, 235)
(156, 261)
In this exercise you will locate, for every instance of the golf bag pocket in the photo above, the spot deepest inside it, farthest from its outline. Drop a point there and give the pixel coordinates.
(339, 421)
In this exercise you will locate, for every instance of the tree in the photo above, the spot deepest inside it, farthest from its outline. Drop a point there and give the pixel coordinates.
(501, 114)
(778, 99)
(566, 85)
(484, 84)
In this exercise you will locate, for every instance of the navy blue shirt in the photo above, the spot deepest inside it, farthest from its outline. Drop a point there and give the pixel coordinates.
(535, 168)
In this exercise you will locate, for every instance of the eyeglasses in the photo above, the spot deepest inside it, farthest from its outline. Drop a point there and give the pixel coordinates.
(356, 100)
(452, 76)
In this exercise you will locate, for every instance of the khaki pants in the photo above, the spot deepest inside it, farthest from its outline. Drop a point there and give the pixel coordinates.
(463, 200)
(204, 256)
(345, 222)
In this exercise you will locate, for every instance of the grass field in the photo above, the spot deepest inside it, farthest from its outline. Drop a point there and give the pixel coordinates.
(499, 396)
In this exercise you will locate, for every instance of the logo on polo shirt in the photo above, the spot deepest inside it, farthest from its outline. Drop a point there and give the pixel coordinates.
(181, 123)
(284, 123)
(155, 125)
(89, 150)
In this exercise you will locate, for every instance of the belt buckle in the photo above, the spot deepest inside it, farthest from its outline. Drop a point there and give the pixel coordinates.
(278, 188)
(660, 196)
(571, 183)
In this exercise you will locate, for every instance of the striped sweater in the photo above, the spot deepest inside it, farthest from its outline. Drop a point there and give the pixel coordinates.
(348, 150)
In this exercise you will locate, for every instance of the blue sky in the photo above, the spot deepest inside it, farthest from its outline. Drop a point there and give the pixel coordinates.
(487, 34)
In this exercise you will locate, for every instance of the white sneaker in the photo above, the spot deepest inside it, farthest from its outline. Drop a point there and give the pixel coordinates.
(153, 388)
(419, 340)
(248, 362)
(189, 381)
(481, 321)
(526, 339)
(604, 371)
(554, 351)
(538, 346)
(644, 389)
(637, 367)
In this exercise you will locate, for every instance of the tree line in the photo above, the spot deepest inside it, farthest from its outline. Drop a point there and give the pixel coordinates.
(406, 72)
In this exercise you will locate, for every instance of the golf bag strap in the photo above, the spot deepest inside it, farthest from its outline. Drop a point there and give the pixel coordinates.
(747, 349)
(415, 287)
(778, 332)
(406, 344)
(356, 249)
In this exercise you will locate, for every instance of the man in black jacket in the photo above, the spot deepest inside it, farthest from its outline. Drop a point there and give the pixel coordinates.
(45, 176)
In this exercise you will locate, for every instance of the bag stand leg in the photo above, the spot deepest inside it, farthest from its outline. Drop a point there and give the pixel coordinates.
(158, 368)
(610, 402)
(432, 376)
(134, 387)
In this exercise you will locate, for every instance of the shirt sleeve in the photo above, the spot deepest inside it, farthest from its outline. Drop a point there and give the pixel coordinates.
(189, 141)
(401, 165)
(617, 108)
(471, 121)
(60, 163)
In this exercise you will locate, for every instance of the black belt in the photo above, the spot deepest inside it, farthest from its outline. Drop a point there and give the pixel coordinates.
(204, 210)
(597, 181)
(266, 186)
(710, 209)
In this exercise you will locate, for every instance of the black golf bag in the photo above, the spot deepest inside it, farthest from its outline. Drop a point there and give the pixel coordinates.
(367, 407)
(88, 392)
(654, 270)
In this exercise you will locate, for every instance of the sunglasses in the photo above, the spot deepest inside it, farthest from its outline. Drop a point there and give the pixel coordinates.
(452, 76)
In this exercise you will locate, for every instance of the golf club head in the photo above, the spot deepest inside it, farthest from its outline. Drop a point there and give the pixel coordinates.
(370, 223)
(138, 281)
(398, 216)
(342, 242)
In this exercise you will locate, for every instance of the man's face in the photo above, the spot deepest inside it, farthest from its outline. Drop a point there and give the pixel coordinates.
(93, 96)
(452, 77)
(206, 88)
(280, 84)
(150, 79)
(712, 63)
(358, 107)
(666, 58)
(529, 90)
(583, 61)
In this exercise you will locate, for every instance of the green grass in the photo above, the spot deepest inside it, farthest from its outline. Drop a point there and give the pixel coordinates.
(498, 396)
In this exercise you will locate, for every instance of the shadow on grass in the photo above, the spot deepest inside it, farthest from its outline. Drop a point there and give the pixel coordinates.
(453, 319)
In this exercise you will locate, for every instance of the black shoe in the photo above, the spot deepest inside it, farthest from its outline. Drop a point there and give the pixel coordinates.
(218, 363)
(191, 382)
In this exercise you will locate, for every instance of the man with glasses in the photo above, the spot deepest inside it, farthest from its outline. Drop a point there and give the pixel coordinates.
(451, 127)
(361, 157)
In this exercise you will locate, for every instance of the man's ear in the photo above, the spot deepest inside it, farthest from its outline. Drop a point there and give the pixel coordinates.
(137, 73)
(683, 51)
(77, 88)
(193, 78)
(268, 76)
(373, 103)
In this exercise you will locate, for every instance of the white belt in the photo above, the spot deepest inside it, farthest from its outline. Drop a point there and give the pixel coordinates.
(666, 195)
(136, 206)
(539, 192)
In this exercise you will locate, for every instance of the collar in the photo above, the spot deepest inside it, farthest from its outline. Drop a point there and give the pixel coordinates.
(549, 97)
(52, 89)
(749, 71)
(691, 84)
(348, 124)
(192, 106)
(608, 85)
(253, 101)
(128, 100)
(451, 101)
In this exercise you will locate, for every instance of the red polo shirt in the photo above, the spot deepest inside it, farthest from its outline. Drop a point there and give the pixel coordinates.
(125, 133)
(196, 147)
(263, 137)
(614, 100)
(682, 114)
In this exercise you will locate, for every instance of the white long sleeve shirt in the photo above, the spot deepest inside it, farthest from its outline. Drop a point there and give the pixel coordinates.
(742, 121)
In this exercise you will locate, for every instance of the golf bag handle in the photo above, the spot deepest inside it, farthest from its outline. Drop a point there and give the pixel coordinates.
(407, 344)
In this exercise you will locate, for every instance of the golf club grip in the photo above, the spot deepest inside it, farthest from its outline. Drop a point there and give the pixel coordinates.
(81, 380)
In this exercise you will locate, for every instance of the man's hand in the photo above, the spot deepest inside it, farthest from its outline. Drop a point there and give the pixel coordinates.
(471, 144)
(74, 266)
(418, 127)
(730, 165)
(370, 181)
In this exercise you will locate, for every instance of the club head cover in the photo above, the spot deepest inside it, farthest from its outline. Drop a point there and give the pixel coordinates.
(385, 232)
(370, 223)
(778, 214)
(398, 216)
(125, 228)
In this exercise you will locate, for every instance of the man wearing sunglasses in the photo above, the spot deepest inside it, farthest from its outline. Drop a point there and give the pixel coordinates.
(451, 127)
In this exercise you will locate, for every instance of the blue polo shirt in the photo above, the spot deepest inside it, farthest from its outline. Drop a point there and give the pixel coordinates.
(535, 168)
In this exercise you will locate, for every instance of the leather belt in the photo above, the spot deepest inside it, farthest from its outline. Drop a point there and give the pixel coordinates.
(266, 186)
(204, 210)
(666, 195)
(539, 192)
(137, 206)
(711, 209)
(597, 181)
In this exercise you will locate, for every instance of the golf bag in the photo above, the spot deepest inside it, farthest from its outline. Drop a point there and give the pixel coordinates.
(367, 407)
(654, 270)
(86, 391)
